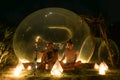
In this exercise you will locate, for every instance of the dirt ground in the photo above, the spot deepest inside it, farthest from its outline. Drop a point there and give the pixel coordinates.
(82, 74)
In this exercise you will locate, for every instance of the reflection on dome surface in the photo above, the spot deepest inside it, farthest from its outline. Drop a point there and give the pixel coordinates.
(101, 52)
(87, 49)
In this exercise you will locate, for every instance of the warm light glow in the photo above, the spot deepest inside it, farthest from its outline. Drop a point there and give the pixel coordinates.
(29, 68)
(18, 69)
(37, 38)
(24, 61)
(36, 66)
(64, 61)
(96, 66)
(83, 61)
(27, 61)
(103, 68)
(39, 60)
(57, 69)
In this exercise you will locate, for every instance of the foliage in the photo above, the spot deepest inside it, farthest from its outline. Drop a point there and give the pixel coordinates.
(6, 49)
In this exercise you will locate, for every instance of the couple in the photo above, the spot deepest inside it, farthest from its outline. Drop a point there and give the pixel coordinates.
(50, 56)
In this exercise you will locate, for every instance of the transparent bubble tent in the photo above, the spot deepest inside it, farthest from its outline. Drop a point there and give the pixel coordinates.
(57, 25)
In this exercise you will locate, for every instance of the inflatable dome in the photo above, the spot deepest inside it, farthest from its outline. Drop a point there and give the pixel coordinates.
(56, 25)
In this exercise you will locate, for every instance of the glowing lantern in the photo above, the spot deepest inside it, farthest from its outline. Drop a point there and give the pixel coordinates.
(18, 69)
(57, 69)
(103, 68)
(96, 66)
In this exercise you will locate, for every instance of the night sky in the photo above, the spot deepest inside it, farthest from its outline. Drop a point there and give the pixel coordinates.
(12, 12)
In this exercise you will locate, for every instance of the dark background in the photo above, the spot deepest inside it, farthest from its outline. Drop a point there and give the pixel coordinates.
(12, 12)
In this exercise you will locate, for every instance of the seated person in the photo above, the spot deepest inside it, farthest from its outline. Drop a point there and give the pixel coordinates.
(70, 55)
(49, 56)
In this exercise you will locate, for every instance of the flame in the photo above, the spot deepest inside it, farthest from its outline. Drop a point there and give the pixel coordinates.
(57, 69)
(18, 69)
(102, 68)
(29, 68)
